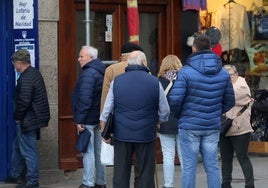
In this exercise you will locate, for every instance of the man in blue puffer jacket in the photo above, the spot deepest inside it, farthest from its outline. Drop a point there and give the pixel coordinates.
(86, 111)
(201, 93)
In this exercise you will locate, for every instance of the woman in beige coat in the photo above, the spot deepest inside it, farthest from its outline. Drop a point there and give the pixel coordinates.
(238, 136)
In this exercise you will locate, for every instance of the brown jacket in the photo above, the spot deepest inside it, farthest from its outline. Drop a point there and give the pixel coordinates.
(110, 73)
(241, 124)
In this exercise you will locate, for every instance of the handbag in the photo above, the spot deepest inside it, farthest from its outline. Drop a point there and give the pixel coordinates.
(226, 123)
(107, 154)
(83, 141)
(108, 129)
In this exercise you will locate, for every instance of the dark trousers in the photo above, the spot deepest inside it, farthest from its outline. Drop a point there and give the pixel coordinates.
(145, 164)
(238, 144)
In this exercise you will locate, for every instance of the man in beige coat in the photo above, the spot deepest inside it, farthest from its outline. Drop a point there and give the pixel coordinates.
(118, 68)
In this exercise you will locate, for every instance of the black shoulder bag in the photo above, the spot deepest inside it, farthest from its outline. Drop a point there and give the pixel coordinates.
(108, 129)
(226, 123)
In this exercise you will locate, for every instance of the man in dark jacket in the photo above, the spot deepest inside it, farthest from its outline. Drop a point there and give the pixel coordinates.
(201, 93)
(31, 114)
(139, 104)
(86, 111)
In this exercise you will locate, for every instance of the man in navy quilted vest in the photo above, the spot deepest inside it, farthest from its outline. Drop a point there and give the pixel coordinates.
(138, 102)
(201, 93)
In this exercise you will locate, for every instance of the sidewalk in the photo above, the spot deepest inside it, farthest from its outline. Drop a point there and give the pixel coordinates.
(60, 179)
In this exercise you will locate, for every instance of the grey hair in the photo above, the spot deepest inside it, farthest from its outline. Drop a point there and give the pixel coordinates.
(230, 67)
(93, 52)
(138, 59)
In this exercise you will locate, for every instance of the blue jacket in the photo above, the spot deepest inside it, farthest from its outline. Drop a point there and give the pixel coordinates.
(87, 93)
(136, 104)
(201, 93)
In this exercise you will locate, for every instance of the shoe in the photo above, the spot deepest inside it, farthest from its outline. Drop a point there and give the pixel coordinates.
(226, 185)
(100, 186)
(17, 180)
(85, 186)
(28, 185)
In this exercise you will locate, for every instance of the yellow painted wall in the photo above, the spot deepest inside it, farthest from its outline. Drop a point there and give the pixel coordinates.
(212, 5)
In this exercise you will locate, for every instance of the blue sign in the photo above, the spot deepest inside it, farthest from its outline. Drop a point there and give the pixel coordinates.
(25, 28)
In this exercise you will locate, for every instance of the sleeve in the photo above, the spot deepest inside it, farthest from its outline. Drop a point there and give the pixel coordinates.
(177, 94)
(108, 78)
(108, 105)
(24, 93)
(229, 98)
(245, 28)
(85, 96)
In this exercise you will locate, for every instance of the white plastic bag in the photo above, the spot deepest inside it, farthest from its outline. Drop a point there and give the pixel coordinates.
(107, 154)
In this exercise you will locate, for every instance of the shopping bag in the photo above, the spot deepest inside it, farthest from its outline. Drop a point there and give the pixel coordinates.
(107, 154)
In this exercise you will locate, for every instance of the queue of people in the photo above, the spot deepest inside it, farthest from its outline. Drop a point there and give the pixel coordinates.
(183, 106)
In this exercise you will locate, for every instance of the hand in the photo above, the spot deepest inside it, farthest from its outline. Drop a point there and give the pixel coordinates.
(108, 141)
(80, 127)
(158, 126)
(102, 125)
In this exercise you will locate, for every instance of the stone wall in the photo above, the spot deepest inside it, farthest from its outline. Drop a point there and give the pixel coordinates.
(48, 11)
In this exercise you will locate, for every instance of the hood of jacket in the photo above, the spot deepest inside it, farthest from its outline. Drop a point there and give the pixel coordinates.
(205, 62)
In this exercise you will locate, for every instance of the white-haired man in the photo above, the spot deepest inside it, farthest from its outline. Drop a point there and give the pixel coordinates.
(139, 104)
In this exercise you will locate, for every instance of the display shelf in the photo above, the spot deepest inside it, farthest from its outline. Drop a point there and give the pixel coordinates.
(258, 147)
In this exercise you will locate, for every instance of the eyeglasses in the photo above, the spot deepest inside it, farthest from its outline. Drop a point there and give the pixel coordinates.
(232, 74)
(14, 62)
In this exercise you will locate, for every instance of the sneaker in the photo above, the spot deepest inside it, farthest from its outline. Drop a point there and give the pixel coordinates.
(85, 186)
(28, 185)
(17, 180)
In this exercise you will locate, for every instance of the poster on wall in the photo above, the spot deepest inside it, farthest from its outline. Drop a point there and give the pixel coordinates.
(25, 28)
(258, 58)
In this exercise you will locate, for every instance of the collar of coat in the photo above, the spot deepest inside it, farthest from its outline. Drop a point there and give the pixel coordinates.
(136, 67)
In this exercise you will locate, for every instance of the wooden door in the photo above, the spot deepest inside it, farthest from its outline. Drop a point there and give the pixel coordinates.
(157, 40)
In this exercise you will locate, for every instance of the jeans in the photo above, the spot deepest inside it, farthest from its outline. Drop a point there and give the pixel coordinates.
(169, 143)
(25, 152)
(239, 145)
(94, 171)
(205, 141)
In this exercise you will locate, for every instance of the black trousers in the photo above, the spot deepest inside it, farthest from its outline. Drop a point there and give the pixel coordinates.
(238, 144)
(145, 164)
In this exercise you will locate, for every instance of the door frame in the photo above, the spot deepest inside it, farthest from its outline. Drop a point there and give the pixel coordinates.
(168, 38)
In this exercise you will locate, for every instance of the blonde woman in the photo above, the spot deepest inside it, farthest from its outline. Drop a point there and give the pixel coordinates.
(168, 131)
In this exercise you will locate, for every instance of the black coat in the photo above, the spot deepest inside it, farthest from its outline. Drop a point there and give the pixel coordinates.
(31, 102)
(171, 126)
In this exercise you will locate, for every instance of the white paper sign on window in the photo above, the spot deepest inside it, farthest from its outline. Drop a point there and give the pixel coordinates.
(23, 12)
